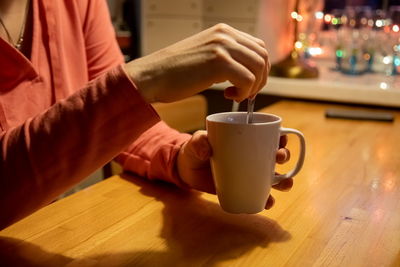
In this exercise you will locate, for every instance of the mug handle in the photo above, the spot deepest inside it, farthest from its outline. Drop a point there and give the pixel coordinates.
(300, 161)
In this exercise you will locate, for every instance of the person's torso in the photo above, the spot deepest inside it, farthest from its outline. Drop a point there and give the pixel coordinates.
(57, 66)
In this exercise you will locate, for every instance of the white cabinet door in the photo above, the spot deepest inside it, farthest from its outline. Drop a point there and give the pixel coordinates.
(160, 32)
(172, 7)
(237, 9)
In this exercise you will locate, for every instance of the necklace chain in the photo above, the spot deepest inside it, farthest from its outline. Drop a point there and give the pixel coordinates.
(20, 40)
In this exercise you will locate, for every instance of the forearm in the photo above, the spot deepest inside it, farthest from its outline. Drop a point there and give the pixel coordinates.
(56, 149)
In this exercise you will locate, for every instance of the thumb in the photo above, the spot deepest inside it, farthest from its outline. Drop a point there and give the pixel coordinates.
(199, 146)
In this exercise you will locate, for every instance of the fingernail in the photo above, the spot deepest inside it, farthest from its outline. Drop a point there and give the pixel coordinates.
(230, 92)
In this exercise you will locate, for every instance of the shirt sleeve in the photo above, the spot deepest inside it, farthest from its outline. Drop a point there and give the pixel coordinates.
(154, 154)
(52, 151)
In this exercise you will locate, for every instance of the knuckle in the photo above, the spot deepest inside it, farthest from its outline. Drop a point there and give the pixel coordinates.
(200, 136)
(260, 64)
(261, 42)
(265, 54)
(202, 133)
(222, 27)
(218, 53)
(249, 80)
(220, 39)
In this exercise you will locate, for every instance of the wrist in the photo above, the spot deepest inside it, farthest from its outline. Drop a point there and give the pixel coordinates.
(141, 79)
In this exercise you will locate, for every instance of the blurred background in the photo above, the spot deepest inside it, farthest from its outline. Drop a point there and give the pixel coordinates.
(144, 26)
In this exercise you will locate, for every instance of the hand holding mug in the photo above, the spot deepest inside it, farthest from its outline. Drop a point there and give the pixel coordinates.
(243, 160)
(194, 165)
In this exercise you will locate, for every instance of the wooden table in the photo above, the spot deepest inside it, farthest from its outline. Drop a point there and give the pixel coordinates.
(344, 210)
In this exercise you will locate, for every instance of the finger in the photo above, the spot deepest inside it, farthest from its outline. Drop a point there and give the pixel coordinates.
(253, 44)
(282, 155)
(262, 64)
(242, 79)
(199, 146)
(263, 81)
(256, 40)
(256, 43)
(284, 185)
(270, 202)
(263, 68)
(238, 60)
(283, 141)
(230, 92)
(205, 183)
(258, 46)
(251, 60)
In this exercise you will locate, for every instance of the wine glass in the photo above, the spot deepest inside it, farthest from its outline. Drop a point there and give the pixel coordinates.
(356, 56)
(394, 38)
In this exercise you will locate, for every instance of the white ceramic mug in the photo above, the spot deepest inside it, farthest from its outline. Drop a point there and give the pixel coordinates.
(243, 160)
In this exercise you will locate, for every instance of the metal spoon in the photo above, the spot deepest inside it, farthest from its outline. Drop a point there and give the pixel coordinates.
(250, 109)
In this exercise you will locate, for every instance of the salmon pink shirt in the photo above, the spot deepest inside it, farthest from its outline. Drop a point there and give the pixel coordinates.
(70, 108)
